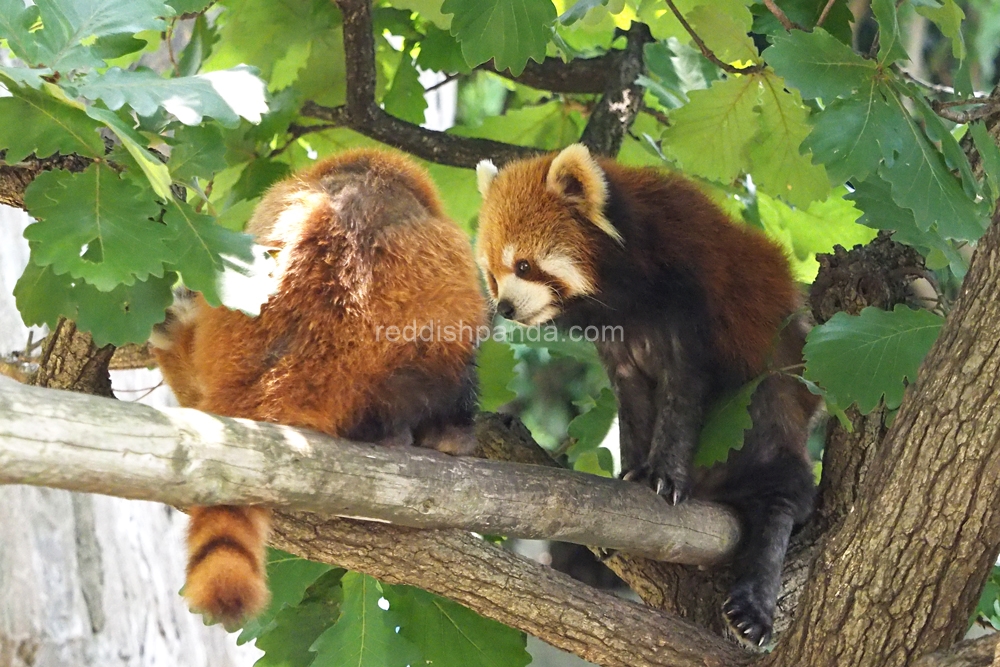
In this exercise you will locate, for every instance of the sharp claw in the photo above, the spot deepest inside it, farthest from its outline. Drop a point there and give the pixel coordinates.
(761, 642)
(676, 496)
(659, 486)
(629, 476)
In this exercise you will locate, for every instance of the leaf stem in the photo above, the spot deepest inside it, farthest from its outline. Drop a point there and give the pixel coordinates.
(782, 17)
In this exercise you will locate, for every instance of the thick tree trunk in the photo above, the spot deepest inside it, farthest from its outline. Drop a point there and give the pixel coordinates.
(900, 575)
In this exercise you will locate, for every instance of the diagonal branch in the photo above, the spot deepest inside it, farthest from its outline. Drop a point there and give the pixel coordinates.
(185, 457)
(15, 178)
(707, 52)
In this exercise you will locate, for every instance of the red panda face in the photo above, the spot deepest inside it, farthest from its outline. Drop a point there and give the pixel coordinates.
(537, 230)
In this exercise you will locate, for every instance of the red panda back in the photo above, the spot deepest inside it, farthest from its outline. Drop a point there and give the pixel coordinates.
(362, 245)
(745, 275)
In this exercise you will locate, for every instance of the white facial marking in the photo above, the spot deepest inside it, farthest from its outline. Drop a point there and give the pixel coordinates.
(564, 268)
(508, 256)
(532, 301)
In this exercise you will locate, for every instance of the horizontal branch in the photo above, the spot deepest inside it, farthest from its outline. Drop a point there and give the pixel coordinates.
(185, 457)
(580, 75)
(979, 652)
(439, 147)
(15, 178)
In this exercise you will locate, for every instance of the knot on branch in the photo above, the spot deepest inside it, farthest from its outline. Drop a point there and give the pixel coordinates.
(877, 274)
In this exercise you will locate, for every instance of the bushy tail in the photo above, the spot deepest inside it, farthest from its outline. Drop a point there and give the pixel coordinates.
(226, 575)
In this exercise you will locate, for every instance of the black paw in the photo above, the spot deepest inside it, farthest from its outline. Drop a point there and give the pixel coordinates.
(747, 617)
(672, 485)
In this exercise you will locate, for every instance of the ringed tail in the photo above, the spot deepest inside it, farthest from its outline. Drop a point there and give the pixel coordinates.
(226, 573)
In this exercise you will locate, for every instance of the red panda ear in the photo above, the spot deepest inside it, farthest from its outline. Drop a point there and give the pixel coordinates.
(486, 171)
(576, 177)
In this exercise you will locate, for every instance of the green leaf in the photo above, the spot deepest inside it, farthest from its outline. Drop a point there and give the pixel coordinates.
(508, 31)
(948, 18)
(449, 635)
(710, 135)
(155, 171)
(890, 39)
(251, 32)
(865, 357)
(954, 156)
(15, 26)
(874, 197)
(25, 76)
(496, 364)
(597, 461)
(34, 122)
(219, 263)
(96, 226)
(189, 6)
(198, 152)
(818, 64)
(288, 577)
(405, 97)
(441, 52)
(258, 176)
(852, 136)
(777, 165)
(808, 231)
(922, 182)
(723, 26)
(990, 155)
(288, 639)
(198, 49)
(124, 315)
(725, 425)
(805, 13)
(365, 633)
(225, 95)
(547, 126)
(68, 24)
(591, 426)
(429, 9)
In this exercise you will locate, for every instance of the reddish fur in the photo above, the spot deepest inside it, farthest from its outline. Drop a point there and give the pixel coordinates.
(312, 358)
(682, 227)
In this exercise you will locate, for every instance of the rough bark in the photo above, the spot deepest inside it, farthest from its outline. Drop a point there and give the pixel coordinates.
(500, 585)
(901, 574)
(981, 652)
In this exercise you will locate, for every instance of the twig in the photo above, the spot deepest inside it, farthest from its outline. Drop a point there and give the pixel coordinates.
(707, 52)
(656, 113)
(781, 16)
(826, 12)
(444, 82)
(168, 37)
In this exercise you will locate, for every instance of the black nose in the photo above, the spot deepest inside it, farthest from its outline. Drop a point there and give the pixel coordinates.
(506, 309)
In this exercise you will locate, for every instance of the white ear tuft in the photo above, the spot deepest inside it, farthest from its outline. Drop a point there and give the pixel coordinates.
(575, 176)
(486, 171)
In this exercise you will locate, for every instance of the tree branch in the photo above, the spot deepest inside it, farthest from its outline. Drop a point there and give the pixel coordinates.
(980, 652)
(622, 99)
(783, 19)
(15, 178)
(185, 457)
(580, 75)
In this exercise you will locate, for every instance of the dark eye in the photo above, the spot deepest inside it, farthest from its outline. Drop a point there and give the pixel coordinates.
(522, 268)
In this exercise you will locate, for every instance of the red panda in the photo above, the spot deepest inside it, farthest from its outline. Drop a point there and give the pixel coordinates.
(363, 251)
(700, 305)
